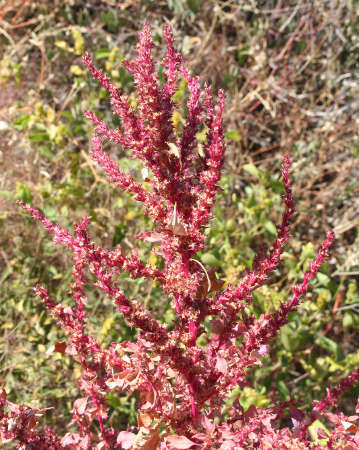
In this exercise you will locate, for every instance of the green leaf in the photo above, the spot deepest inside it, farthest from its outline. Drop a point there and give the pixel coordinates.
(23, 193)
(323, 279)
(333, 366)
(46, 151)
(287, 338)
(270, 227)
(307, 251)
(350, 319)
(51, 213)
(233, 135)
(252, 169)
(313, 432)
(282, 387)
(119, 234)
(5, 273)
(292, 337)
(39, 137)
(210, 260)
(113, 400)
(331, 346)
(22, 122)
(242, 54)
(302, 45)
(194, 5)
(277, 186)
(52, 131)
(250, 396)
(102, 53)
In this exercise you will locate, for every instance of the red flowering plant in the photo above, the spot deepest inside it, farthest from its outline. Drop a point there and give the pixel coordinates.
(182, 385)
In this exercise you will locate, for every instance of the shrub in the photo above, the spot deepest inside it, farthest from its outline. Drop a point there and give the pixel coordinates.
(182, 371)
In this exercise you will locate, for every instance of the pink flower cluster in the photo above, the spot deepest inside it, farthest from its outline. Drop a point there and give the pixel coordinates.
(182, 385)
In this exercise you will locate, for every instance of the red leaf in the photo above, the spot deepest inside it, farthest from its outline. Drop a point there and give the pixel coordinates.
(85, 443)
(80, 405)
(322, 434)
(227, 445)
(147, 398)
(176, 227)
(147, 439)
(216, 284)
(126, 439)
(221, 365)
(207, 424)
(150, 236)
(178, 442)
(251, 412)
(70, 438)
(217, 326)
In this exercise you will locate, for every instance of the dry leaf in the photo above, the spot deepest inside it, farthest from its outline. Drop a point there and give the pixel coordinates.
(147, 439)
(209, 284)
(349, 427)
(176, 226)
(174, 150)
(144, 419)
(178, 230)
(31, 420)
(60, 347)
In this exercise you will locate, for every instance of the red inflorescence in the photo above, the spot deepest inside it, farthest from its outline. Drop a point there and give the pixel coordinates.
(182, 386)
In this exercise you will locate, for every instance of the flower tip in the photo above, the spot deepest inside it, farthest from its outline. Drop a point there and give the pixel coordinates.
(330, 238)
(22, 204)
(221, 97)
(167, 29)
(287, 161)
(86, 58)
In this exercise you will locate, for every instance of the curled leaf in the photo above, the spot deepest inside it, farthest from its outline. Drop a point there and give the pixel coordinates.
(176, 227)
(209, 284)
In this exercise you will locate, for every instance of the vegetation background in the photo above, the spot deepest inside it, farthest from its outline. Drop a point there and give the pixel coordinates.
(290, 72)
